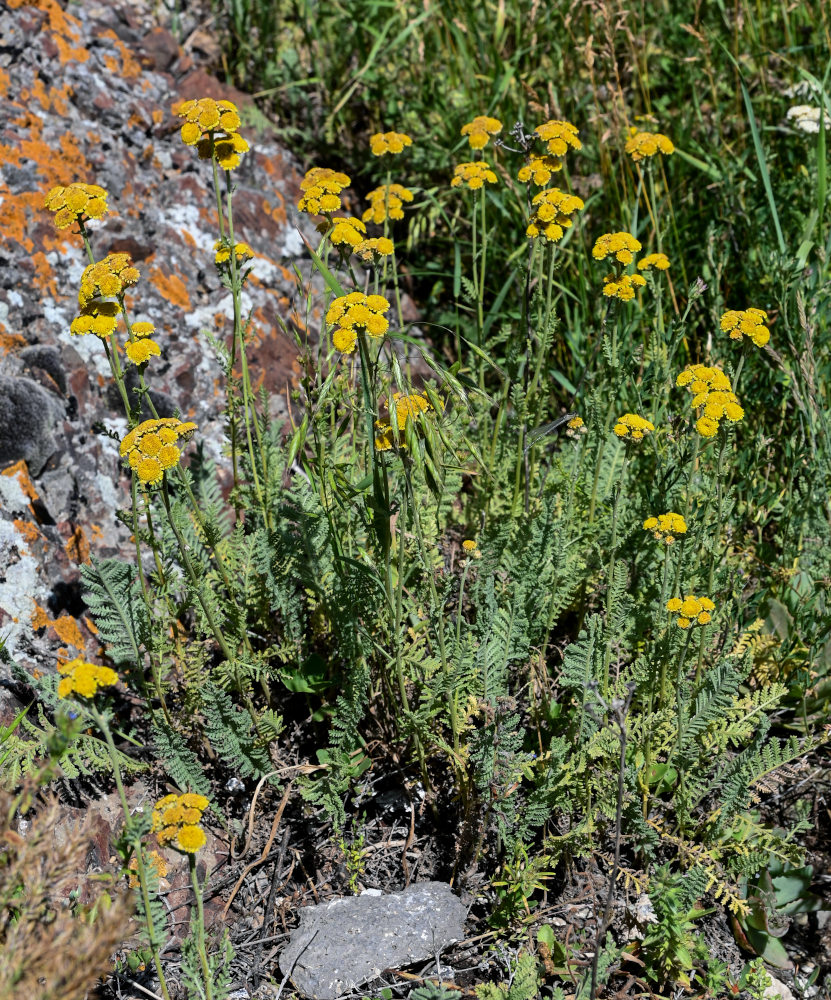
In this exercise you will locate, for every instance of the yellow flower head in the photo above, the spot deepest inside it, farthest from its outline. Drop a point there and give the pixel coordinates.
(222, 254)
(99, 318)
(175, 819)
(190, 839)
(538, 169)
(389, 142)
(347, 232)
(691, 610)
(559, 135)
(383, 439)
(76, 203)
(321, 188)
(469, 545)
(108, 278)
(660, 261)
(622, 288)
(356, 313)
(473, 175)
(480, 130)
(641, 145)
(386, 202)
(665, 527)
(409, 406)
(621, 246)
(142, 329)
(372, 250)
(748, 323)
(633, 427)
(576, 427)
(152, 447)
(141, 351)
(552, 214)
(211, 126)
(156, 866)
(84, 679)
(712, 395)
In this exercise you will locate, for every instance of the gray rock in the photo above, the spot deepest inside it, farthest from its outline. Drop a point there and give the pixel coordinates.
(28, 416)
(341, 944)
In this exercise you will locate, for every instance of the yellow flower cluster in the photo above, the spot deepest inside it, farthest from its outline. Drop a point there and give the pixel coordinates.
(622, 288)
(691, 611)
(665, 527)
(354, 313)
(641, 145)
(154, 861)
(473, 175)
(469, 545)
(409, 406)
(621, 246)
(386, 202)
(142, 347)
(80, 677)
(349, 232)
(176, 820)
(712, 391)
(659, 261)
(480, 130)
(321, 188)
(559, 135)
(389, 142)
(539, 169)
(153, 447)
(575, 427)
(633, 427)
(76, 202)
(100, 318)
(211, 126)
(222, 252)
(748, 323)
(109, 278)
(373, 249)
(552, 214)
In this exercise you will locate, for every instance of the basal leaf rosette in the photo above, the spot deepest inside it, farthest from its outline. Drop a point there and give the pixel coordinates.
(152, 448)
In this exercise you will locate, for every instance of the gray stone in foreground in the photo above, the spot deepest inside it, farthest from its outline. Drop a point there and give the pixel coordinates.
(346, 942)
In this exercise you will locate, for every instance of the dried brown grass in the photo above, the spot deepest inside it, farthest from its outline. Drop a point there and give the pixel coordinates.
(47, 952)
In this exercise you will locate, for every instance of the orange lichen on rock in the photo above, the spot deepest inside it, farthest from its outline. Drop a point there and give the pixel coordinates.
(77, 546)
(5, 80)
(20, 471)
(61, 26)
(171, 286)
(68, 631)
(40, 618)
(44, 275)
(10, 341)
(128, 68)
(28, 531)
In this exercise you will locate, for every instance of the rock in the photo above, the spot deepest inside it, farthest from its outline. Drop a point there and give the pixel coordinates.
(346, 942)
(777, 990)
(28, 415)
(46, 358)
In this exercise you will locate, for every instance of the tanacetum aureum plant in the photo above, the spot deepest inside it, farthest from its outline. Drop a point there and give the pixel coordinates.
(539, 578)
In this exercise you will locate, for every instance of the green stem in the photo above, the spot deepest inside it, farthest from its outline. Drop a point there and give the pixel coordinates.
(610, 578)
(141, 870)
(200, 928)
